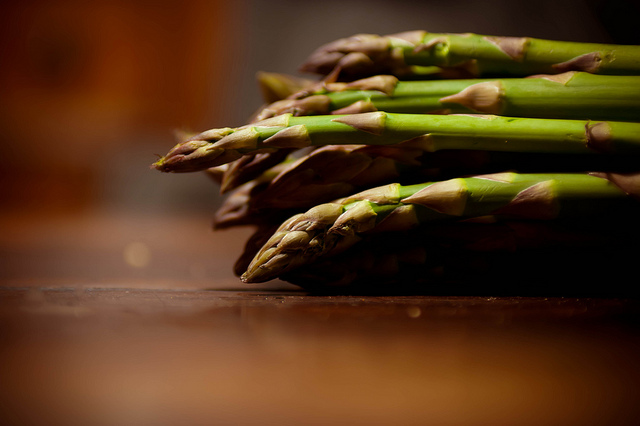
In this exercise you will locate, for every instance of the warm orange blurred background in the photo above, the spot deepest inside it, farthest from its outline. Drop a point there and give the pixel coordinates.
(91, 92)
(87, 85)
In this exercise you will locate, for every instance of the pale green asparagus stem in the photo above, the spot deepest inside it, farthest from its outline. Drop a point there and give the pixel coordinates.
(572, 95)
(328, 229)
(428, 132)
(478, 55)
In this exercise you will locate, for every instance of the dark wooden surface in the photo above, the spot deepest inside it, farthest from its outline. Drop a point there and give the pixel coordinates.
(91, 338)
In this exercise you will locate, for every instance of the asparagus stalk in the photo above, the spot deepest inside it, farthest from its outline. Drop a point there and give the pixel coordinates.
(477, 55)
(328, 229)
(428, 132)
(571, 95)
(335, 171)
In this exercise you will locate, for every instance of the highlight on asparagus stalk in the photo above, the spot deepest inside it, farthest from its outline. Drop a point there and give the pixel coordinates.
(328, 229)
(572, 95)
(428, 132)
(476, 55)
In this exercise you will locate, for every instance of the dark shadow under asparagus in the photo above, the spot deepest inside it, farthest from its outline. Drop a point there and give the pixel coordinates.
(521, 258)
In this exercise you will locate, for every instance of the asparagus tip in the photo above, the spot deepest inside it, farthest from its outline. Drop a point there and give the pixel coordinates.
(190, 156)
(267, 268)
(158, 165)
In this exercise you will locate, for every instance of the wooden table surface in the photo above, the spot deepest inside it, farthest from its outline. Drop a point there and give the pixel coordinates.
(93, 335)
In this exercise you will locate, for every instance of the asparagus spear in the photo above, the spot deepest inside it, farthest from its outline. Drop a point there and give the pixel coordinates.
(328, 229)
(572, 95)
(335, 171)
(478, 55)
(428, 132)
(575, 95)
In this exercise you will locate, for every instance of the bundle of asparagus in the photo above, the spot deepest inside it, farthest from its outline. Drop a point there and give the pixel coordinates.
(432, 158)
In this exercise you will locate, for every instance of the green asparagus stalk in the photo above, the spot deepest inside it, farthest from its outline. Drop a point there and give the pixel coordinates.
(335, 171)
(478, 55)
(428, 132)
(328, 229)
(571, 95)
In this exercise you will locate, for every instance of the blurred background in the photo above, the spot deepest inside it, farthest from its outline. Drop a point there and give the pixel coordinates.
(92, 92)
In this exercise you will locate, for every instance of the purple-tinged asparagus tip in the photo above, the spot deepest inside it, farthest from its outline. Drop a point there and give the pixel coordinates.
(189, 156)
